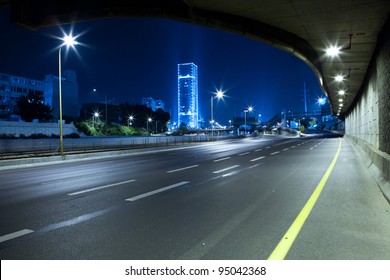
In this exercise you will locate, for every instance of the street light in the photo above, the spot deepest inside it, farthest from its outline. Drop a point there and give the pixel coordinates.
(250, 109)
(218, 95)
(147, 124)
(130, 120)
(94, 117)
(68, 41)
(106, 103)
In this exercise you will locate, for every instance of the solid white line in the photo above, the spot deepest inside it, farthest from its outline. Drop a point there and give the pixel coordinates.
(137, 197)
(274, 153)
(184, 168)
(221, 159)
(101, 187)
(15, 234)
(244, 154)
(226, 169)
(255, 159)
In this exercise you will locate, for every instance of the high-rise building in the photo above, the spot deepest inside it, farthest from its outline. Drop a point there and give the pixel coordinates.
(187, 80)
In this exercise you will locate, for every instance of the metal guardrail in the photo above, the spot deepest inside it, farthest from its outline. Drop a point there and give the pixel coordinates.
(22, 148)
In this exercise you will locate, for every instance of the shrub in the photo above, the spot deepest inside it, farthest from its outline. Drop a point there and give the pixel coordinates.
(7, 136)
(38, 135)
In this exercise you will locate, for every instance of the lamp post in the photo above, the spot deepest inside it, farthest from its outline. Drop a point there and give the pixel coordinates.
(130, 120)
(250, 109)
(94, 117)
(147, 124)
(219, 95)
(105, 103)
(68, 41)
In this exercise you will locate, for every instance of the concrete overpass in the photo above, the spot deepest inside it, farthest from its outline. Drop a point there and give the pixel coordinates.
(304, 28)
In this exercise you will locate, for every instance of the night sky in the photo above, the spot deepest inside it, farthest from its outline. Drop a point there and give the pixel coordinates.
(130, 58)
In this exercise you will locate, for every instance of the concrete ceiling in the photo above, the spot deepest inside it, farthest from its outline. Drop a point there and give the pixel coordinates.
(304, 28)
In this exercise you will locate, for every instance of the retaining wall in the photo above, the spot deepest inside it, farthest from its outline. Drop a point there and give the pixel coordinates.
(368, 123)
(28, 128)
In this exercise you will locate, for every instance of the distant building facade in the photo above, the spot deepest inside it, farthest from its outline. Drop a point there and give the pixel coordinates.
(153, 104)
(13, 87)
(187, 80)
(69, 91)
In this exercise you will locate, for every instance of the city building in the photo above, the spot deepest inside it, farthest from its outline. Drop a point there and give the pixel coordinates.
(187, 79)
(13, 87)
(70, 99)
(153, 104)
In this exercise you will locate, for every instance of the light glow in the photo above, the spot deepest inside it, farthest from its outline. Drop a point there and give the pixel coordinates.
(341, 92)
(69, 40)
(333, 51)
(339, 78)
(321, 101)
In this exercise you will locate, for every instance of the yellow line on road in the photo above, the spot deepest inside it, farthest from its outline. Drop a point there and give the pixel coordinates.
(288, 239)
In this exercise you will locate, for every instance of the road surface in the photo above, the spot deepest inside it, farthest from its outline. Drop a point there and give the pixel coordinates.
(223, 200)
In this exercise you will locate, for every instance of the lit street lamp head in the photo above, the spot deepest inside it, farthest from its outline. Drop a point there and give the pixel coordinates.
(219, 94)
(69, 41)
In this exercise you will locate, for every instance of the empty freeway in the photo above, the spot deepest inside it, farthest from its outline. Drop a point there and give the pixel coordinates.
(221, 200)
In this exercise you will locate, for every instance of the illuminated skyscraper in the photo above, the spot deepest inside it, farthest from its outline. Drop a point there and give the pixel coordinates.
(187, 80)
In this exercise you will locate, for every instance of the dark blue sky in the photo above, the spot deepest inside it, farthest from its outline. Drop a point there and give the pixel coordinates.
(131, 58)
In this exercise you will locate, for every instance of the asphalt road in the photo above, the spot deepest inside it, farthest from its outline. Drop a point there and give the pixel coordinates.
(224, 200)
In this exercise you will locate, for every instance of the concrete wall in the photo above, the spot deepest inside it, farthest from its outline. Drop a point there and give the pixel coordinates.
(103, 142)
(370, 118)
(28, 128)
(368, 123)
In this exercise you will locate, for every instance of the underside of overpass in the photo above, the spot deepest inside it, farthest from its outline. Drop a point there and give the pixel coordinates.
(359, 29)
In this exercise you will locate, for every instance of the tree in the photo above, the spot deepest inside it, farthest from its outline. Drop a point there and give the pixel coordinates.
(33, 106)
(162, 118)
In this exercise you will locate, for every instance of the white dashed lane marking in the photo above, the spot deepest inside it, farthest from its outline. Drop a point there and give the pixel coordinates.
(255, 159)
(15, 235)
(221, 159)
(184, 168)
(102, 187)
(226, 169)
(137, 197)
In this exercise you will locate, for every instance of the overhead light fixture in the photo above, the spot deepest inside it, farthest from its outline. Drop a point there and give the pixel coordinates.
(334, 50)
(340, 77)
(342, 92)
